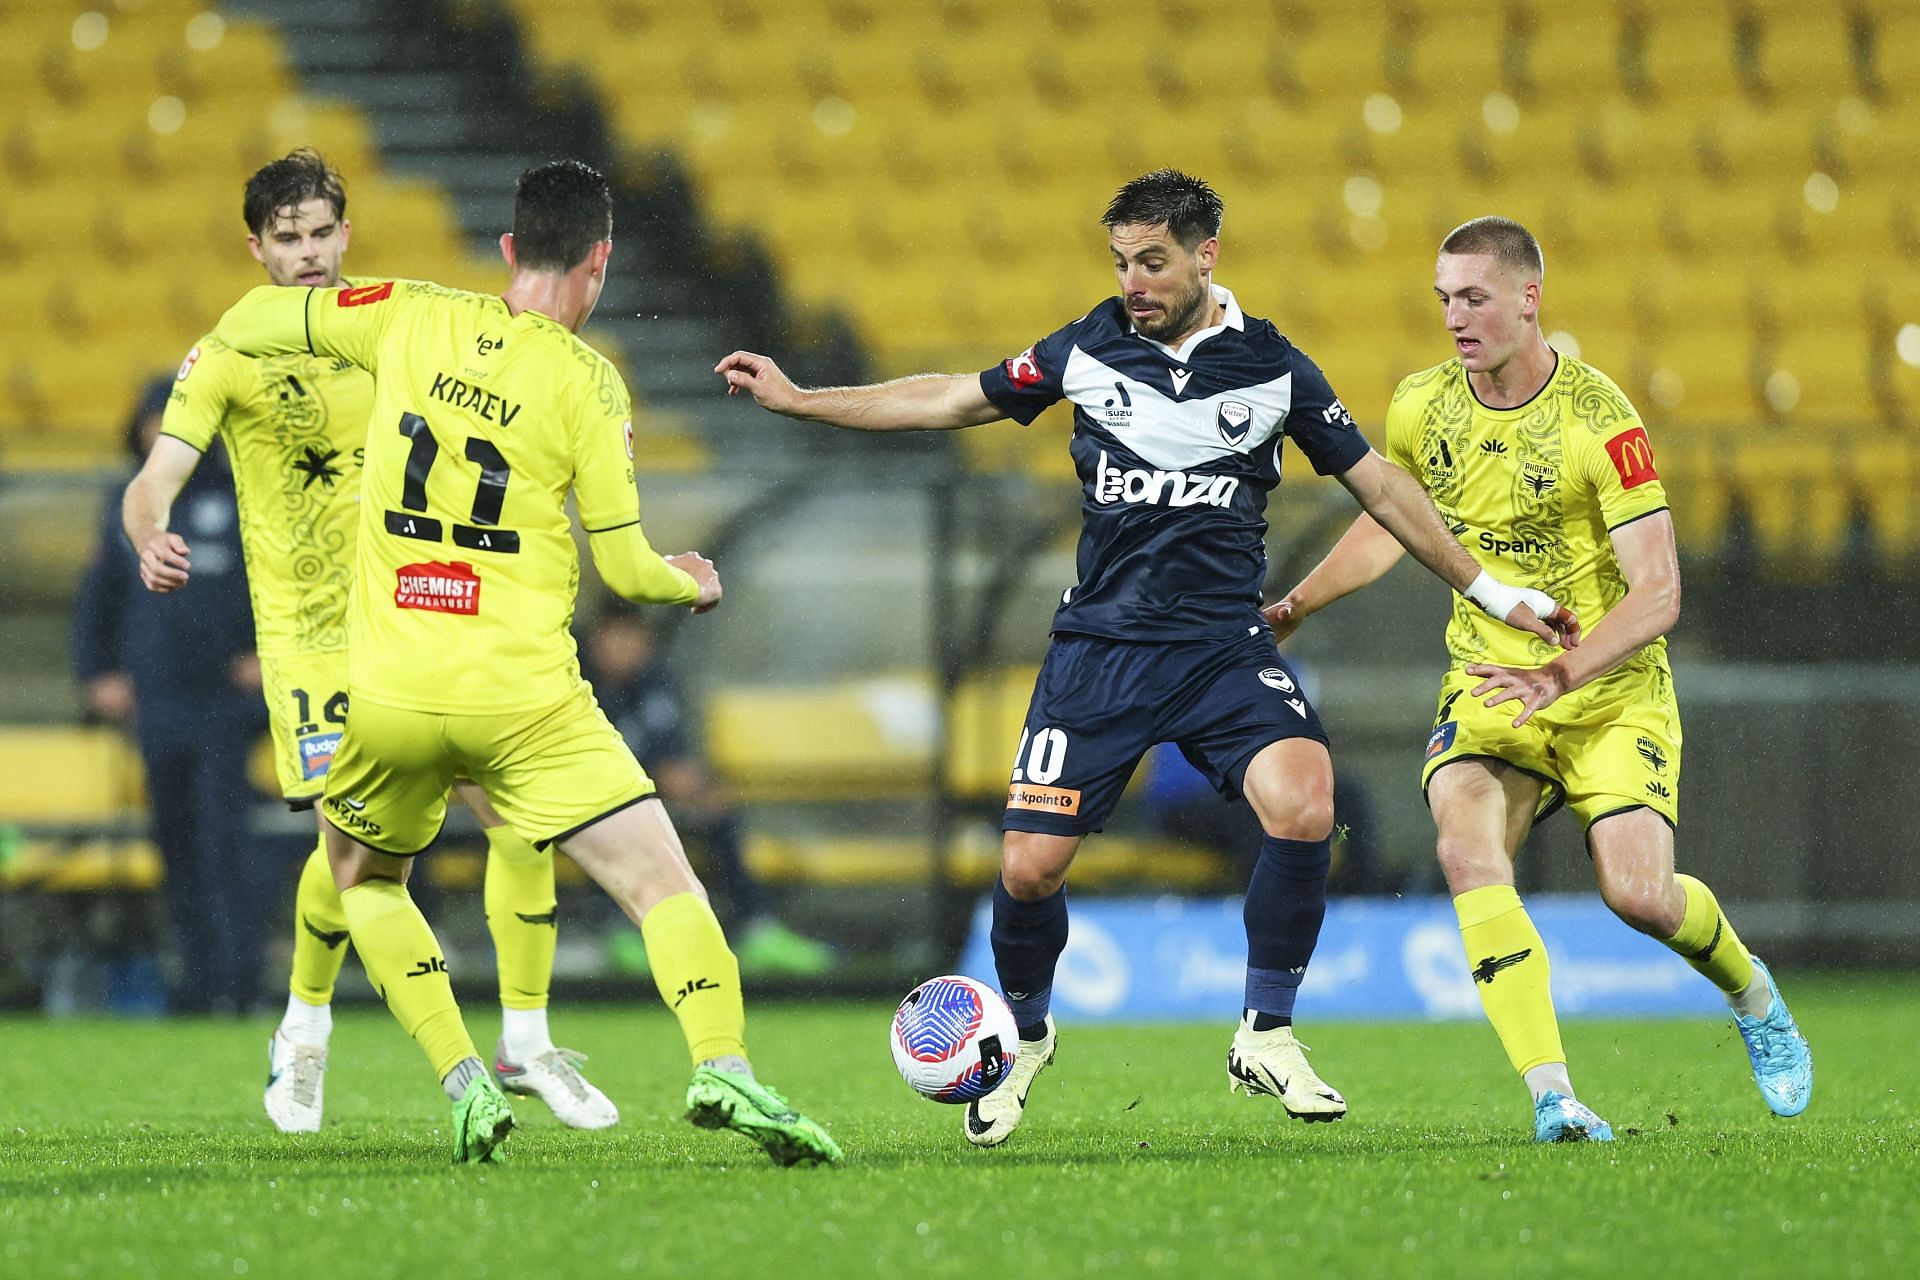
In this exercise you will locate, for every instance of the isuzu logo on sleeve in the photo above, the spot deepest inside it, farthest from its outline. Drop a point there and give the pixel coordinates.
(439, 588)
(1234, 419)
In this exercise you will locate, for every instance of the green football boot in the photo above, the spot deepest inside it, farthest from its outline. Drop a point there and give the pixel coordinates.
(482, 1119)
(733, 1100)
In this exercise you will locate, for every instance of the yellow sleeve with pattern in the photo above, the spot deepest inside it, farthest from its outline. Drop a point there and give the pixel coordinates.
(349, 323)
(1615, 456)
(609, 503)
(212, 377)
(1403, 418)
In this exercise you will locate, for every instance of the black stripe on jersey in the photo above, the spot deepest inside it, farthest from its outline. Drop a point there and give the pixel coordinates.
(306, 318)
(573, 831)
(403, 524)
(505, 541)
(610, 528)
(183, 440)
(1614, 528)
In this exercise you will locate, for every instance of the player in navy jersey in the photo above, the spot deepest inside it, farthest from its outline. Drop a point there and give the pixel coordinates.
(1180, 402)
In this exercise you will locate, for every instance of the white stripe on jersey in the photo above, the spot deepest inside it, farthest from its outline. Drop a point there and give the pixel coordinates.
(1173, 434)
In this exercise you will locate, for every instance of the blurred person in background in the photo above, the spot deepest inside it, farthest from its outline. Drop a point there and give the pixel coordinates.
(623, 661)
(181, 672)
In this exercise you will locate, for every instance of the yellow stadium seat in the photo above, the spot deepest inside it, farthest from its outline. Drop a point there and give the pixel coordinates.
(1693, 470)
(68, 775)
(868, 739)
(1797, 497)
(1887, 478)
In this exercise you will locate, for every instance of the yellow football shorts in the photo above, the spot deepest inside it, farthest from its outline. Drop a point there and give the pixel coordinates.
(549, 772)
(306, 697)
(1604, 749)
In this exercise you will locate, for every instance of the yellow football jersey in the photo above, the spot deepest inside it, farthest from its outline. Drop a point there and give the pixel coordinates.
(294, 426)
(1532, 492)
(483, 422)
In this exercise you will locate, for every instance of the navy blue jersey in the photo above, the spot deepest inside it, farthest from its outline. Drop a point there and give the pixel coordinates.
(1177, 451)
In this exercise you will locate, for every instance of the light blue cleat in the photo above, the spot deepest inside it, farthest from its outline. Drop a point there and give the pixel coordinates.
(1782, 1062)
(1558, 1118)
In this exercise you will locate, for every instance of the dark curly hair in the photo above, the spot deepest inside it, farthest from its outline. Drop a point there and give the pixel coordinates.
(288, 183)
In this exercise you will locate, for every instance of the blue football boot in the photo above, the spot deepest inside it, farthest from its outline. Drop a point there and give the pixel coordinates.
(1782, 1062)
(1558, 1118)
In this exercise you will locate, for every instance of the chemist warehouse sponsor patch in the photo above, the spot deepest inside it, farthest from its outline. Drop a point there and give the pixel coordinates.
(439, 588)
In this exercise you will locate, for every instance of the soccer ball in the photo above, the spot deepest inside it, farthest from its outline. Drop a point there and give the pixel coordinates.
(954, 1039)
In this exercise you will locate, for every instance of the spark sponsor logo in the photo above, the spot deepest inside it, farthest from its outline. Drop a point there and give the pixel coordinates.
(316, 753)
(439, 588)
(1024, 795)
(1160, 488)
(1632, 455)
(366, 294)
(1024, 369)
(1522, 545)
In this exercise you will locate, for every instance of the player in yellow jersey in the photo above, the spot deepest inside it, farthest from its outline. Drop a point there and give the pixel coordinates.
(295, 426)
(1545, 472)
(488, 412)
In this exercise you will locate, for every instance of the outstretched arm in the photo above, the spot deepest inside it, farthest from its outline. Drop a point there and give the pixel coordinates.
(147, 506)
(924, 402)
(1401, 506)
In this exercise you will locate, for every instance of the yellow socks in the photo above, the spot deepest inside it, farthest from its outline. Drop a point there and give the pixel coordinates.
(319, 931)
(520, 916)
(697, 976)
(403, 961)
(1510, 971)
(1707, 941)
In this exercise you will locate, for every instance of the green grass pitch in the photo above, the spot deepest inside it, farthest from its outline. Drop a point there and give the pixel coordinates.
(133, 1149)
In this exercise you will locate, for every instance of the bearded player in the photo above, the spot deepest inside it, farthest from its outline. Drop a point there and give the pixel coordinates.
(489, 412)
(295, 427)
(1180, 403)
(1545, 471)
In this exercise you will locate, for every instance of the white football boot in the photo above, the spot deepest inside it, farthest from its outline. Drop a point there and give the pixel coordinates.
(1274, 1064)
(296, 1078)
(991, 1120)
(554, 1078)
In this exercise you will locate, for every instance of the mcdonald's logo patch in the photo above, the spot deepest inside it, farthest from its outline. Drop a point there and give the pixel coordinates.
(1632, 455)
(361, 295)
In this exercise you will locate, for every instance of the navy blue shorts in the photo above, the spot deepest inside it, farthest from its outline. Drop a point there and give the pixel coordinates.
(1099, 704)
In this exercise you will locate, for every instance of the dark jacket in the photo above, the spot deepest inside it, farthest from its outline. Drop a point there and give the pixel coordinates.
(178, 648)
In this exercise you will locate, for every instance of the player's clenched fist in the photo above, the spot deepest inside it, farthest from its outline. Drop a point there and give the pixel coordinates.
(761, 378)
(163, 562)
(702, 572)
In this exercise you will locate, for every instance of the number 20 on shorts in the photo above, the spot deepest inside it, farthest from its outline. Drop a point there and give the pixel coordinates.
(1042, 757)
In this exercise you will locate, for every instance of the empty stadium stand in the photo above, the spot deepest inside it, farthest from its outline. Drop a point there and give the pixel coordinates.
(1721, 188)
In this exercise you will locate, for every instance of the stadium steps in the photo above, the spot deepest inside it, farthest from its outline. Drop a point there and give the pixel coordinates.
(451, 103)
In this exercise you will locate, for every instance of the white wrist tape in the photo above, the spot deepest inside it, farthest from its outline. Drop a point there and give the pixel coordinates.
(1499, 600)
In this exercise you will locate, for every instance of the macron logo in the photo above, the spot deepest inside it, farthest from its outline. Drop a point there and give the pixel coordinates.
(1113, 484)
